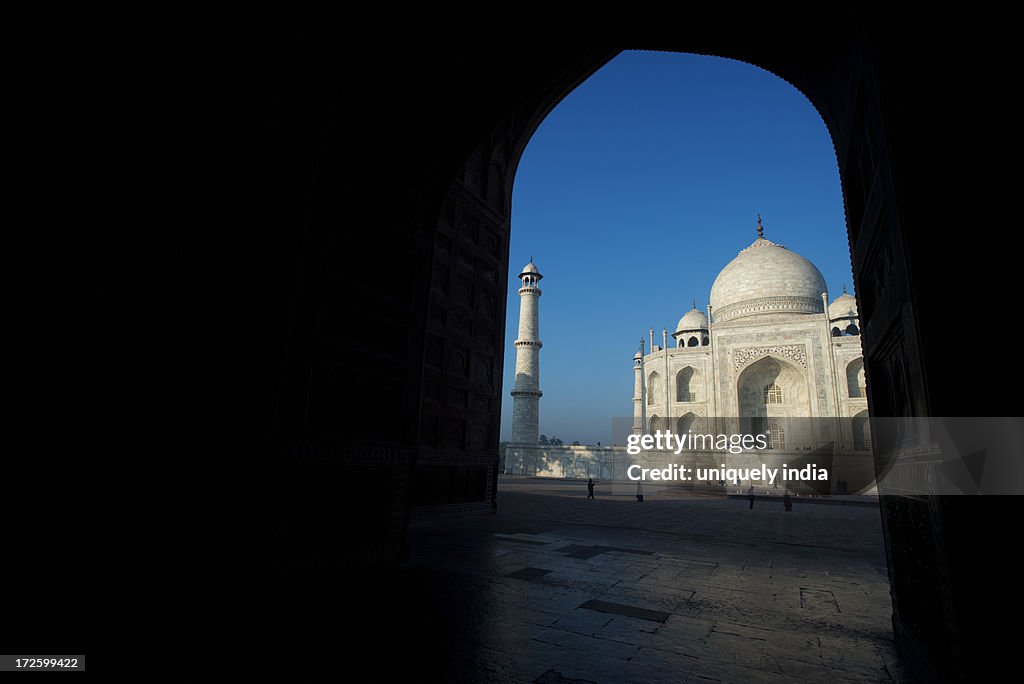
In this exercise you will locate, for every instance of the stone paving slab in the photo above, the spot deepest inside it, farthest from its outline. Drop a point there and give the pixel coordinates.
(558, 588)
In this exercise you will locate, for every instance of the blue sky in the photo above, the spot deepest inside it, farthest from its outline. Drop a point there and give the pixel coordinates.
(631, 197)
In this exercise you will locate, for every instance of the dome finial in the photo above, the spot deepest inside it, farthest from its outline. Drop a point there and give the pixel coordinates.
(694, 303)
(760, 228)
(844, 288)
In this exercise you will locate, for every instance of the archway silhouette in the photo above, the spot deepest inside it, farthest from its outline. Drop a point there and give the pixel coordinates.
(302, 188)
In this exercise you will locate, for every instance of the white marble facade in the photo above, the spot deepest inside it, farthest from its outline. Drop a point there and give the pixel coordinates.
(773, 348)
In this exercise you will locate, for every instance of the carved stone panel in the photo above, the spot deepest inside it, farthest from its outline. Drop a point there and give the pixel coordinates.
(794, 352)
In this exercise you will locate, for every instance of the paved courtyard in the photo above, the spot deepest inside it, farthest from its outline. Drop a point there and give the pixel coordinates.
(559, 588)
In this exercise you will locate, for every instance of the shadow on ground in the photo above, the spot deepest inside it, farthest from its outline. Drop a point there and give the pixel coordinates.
(558, 588)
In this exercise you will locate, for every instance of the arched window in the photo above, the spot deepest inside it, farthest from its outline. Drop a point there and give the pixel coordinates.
(685, 391)
(693, 342)
(706, 341)
(836, 332)
(772, 394)
(654, 424)
(861, 432)
(852, 330)
(770, 383)
(855, 378)
(654, 392)
(776, 435)
(686, 423)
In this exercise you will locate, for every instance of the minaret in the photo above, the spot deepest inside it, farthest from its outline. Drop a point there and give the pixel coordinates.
(664, 353)
(526, 394)
(638, 391)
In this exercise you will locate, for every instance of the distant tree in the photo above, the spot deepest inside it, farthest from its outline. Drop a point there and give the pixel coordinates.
(556, 442)
(576, 442)
(544, 440)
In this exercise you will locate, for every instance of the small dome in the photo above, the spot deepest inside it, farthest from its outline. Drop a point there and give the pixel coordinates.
(530, 269)
(637, 356)
(845, 306)
(766, 278)
(694, 319)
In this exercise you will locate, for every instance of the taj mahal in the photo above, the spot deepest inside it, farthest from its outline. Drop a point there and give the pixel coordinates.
(770, 351)
(772, 348)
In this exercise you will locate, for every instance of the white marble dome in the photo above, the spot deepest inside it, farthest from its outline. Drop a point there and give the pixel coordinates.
(845, 306)
(530, 269)
(764, 279)
(694, 319)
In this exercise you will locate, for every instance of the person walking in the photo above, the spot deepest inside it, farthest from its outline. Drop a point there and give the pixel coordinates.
(787, 502)
(590, 488)
(750, 495)
(639, 491)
